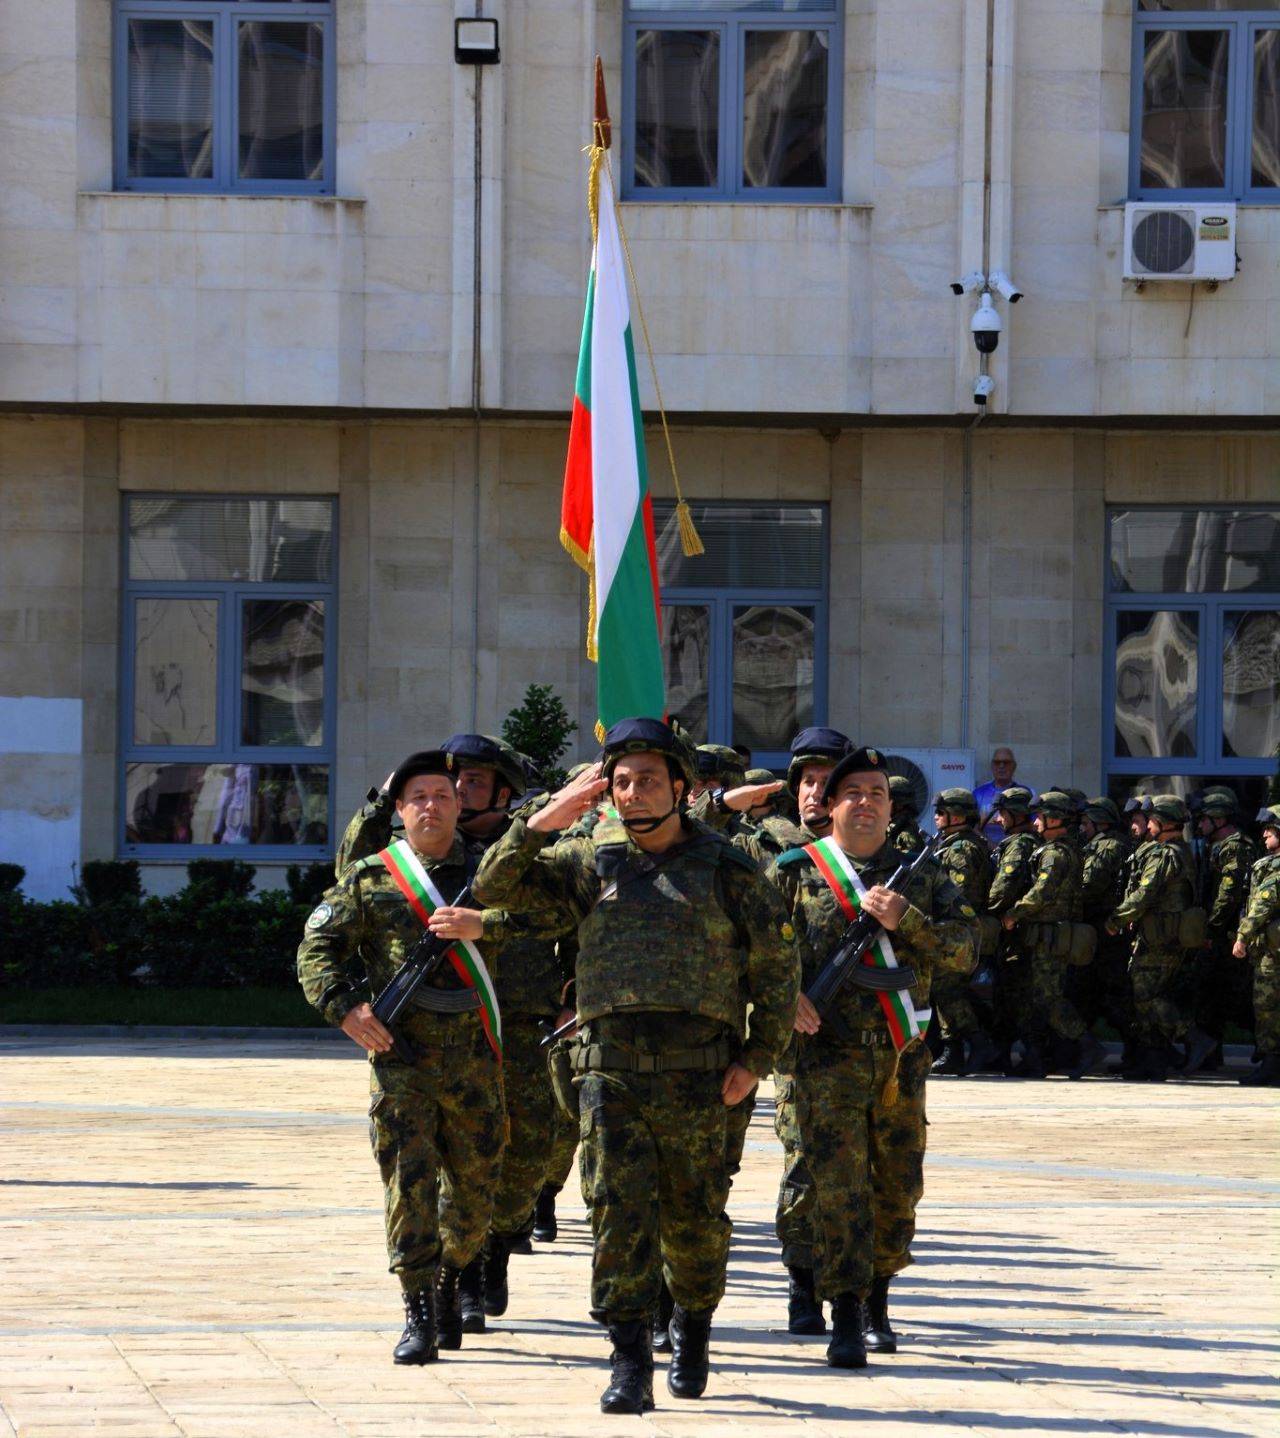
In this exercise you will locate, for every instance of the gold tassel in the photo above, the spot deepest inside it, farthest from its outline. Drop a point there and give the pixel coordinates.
(690, 540)
(889, 1094)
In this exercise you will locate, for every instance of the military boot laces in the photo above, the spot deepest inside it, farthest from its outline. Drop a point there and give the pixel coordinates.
(847, 1348)
(878, 1331)
(950, 1060)
(448, 1307)
(662, 1320)
(471, 1285)
(1265, 1075)
(804, 1311)
(630, 1387)
(545, 1228)
(495, 1276)
(690, 1358)
(418, 1341)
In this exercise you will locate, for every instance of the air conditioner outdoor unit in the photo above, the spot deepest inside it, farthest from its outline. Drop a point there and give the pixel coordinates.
(1176, 240)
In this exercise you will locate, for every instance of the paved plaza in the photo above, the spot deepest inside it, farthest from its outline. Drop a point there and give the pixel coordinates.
(191, 1241)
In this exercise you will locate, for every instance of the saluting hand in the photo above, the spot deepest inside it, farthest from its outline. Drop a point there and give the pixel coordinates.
(747, 796)
(569, 804)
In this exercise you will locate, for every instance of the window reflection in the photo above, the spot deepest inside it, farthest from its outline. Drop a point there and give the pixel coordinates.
(227, 804)
(1184, 109)
(1156, 683)
(282, 682)
(1265, 162)
(686, 663)
(677, 130)
(174, 537)
(784, 100)
(1251, 684)
(1195, 551)
(773, 652)
(175, 671)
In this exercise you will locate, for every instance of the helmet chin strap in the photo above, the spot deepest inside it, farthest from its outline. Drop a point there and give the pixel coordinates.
(647, 826)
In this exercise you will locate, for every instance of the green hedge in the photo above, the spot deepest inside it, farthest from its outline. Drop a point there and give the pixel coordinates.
(213, 934)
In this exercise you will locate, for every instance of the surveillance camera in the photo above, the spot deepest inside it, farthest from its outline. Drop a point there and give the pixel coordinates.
(986, 326)
(1000, 281)
(974, 280)
(984, 387)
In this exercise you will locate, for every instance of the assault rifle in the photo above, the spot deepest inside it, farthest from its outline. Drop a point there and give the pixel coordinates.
(423, 962)
(845, 965)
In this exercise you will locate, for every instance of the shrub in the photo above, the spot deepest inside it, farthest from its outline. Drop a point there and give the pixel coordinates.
(540, 727)
(11, 877)
(215, 878)
(307, 884)
(103, 881)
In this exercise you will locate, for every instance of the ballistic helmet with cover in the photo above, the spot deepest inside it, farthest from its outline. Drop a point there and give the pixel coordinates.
(957, 801)
(815, 746)
(1102, 811)
(1219, 801)
(1269, 816)
(1056, 804)
(1016, 799)
(650, 736)
(903, 793)
(484, 751)
(1169, 808)
(720, 764)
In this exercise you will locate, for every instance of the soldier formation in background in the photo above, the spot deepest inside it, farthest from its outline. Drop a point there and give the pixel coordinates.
(658, 922)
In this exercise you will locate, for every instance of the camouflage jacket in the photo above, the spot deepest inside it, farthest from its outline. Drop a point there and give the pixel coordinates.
(534, 974)
(362, 930)
(1263, 907)
(1230, 862)
(905, 837)
(964, 854)
(562, 884)
(937, 933)
(1133, 865)
(1163, 885)
(1014, 862)
(1106, 858)
(1054, 895)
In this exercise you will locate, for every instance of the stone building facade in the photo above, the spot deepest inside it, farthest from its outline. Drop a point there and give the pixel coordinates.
(401, 344)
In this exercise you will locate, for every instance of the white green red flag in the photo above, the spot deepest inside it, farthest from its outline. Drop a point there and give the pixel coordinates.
(606, 516)
(424, 898)
(906, 1022)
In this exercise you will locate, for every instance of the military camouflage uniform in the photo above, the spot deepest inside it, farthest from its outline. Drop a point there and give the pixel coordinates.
(966, 858)
(1101, 990)
(1052, 899)
(670, 945)
(1224, 990)
(866, 1155)
(1014, 867)
(905, 836)
(1162, 889)
(1262, 910)
(439, 1116)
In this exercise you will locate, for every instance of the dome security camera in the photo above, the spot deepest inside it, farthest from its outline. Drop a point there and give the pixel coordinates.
(986, 325)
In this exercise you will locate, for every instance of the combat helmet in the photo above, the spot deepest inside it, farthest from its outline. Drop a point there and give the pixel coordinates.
(486, 751)
(957, 801)
(1055, 803)
(815, 746)
(1017, 799)
(902, 794)
(1169, 808)
(1218, 802)
(1103, 811)
(650, 736)
(720, 765)
(1269, 817)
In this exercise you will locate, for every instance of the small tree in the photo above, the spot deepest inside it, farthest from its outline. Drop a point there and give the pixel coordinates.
(540, 727)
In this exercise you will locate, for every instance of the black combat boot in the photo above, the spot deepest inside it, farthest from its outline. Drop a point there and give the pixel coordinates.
(630, 1387)
(448, 1306)
(662, 1319)
(804, 1311)
(1198, 1045)
(951, 1059)
(690, 1359)
(1149, 1066)
(418, 1341)
(983, 1052)
(495, 1276)
(848, 1348)
(545, 1228)
(471, 1292)
(1265, 1075)
(878, 1332)
(1091, 1058)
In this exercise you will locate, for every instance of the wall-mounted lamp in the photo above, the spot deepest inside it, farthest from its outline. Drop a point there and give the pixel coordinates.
(475, 41)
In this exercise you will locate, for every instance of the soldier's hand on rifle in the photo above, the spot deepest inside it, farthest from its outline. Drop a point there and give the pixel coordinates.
(738, 1083)
(451, 923)
(569, 804)
(886, 907)
(361, 1025)
(808, 1019)
(747, 796)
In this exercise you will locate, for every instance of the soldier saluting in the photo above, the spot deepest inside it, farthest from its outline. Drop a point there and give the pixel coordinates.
(442, 1111)
(677, 932)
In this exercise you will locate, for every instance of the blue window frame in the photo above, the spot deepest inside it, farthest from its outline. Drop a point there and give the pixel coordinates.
(1192, 653)
(744, 627)
(732, 100)
(228, 676)
(224, 96)
(1205, 120)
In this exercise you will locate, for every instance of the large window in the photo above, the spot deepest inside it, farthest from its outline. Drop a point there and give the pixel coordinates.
(744, 627)
(1193, 653)
(732, 99)
(226, 95)
(1206, 100)
(227, 684)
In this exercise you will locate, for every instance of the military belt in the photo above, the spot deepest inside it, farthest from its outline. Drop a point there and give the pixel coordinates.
(445, 1001)
(606, 1056)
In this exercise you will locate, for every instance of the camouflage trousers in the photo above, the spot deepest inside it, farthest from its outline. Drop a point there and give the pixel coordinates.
(1154, 976)
(536, 1127)
(866, 1157)
(564, 1149)
(1223, 988)
(1048, 1009)
(1101, 989)
(1266, 1005)
(438, 1129)
(954, 1006)
(793, 1220)
(737, 1122)
(655, 1181)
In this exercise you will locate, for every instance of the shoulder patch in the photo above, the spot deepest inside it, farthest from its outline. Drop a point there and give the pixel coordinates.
(791, 856)
(788, 933)
(320, 916)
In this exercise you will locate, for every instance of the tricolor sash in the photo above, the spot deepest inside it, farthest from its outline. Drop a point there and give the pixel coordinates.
(906, 1022)
(424, 898)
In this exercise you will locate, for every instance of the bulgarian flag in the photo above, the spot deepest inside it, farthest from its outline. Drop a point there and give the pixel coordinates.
(606, 515)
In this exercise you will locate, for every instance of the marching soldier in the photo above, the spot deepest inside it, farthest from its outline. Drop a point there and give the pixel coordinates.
(1014, 869)
(964, 854)
(860, 1077)
(1259, 939)
(1043, 916)
(1103, 990)
(677, 933)
(1162, 890)
(437, 1110)
(904, 831)
(1224, 990)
